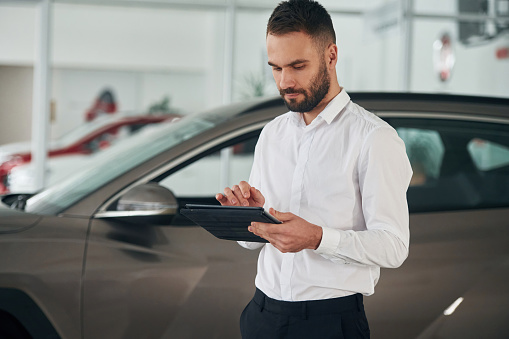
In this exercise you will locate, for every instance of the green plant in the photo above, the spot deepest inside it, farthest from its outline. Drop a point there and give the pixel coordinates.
(162, 107)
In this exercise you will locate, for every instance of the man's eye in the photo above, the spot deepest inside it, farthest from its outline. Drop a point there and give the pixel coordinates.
(299, 67)
(277, 69)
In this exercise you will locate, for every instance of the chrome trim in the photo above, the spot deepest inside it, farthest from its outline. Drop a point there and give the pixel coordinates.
(179, 160)
(117, 214)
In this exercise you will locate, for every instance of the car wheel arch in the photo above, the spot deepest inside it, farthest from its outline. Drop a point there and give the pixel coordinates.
(24, 313)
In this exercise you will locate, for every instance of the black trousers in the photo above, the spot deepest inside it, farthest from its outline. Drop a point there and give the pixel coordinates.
(338, 318)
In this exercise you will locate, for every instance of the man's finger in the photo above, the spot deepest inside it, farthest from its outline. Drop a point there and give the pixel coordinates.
(265, 229)
(230, 196)
(281, 216)
(240, 197)
(222, 199)
(257, 196)
(245, 188)
(261, 229)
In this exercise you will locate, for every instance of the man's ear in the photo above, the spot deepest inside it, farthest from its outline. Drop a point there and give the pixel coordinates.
(332, 55)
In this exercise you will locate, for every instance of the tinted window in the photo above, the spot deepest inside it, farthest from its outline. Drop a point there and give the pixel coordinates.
(488, 155)
(456, 164)
(425, 151)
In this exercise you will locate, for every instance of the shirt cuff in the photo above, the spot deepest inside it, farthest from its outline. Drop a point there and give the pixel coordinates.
(330, 241)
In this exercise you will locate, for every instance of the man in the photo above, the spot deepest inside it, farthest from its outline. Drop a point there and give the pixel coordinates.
(336, 175)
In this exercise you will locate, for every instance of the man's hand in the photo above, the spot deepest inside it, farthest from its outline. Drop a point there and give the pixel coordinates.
(241, 195)
(293, 235)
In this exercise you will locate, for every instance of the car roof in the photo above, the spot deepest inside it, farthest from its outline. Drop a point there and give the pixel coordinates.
(391, 101)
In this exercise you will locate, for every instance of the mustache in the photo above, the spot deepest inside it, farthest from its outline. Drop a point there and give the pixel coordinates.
(282, 92)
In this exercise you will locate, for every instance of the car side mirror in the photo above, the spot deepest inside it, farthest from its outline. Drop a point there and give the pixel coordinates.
(145, 204)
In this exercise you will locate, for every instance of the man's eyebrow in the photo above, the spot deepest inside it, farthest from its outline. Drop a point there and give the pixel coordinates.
(293, 63)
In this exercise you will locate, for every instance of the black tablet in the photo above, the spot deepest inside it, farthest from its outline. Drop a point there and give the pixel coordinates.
(228, 222)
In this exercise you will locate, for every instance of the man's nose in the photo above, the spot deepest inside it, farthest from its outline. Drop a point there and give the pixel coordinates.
(286, 80)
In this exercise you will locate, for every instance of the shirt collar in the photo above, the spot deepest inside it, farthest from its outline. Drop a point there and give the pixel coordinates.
(328, 114)
(335, 106)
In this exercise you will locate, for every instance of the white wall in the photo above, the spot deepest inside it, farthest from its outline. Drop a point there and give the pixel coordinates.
(15, 103)
(87, 36)
(17, 31)
(127, 38)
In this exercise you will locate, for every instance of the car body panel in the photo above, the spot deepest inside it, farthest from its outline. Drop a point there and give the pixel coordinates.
(12, 221)
(128, 265)
(45, 261)
(488, 296)
(449, 252)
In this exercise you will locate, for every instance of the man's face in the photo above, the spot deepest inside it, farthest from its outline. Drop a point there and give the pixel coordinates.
(299, 70)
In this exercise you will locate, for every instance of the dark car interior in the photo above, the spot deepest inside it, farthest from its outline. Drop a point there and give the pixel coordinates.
(461, 184)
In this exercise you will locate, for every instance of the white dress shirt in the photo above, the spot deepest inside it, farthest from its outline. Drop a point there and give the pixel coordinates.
(347, 172)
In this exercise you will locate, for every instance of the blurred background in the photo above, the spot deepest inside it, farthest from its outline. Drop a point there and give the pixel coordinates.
(170, 57)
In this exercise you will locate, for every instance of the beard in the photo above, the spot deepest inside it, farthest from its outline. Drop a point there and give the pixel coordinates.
(318, 90)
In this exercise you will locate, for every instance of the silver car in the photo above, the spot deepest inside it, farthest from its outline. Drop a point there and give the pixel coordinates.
(106, 254)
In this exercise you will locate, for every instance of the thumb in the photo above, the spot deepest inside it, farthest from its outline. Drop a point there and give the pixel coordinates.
(281, 216)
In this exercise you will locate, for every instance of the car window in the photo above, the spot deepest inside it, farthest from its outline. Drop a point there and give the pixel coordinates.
(203, 177)
(425, 151)
(488, 155)
(457, 164)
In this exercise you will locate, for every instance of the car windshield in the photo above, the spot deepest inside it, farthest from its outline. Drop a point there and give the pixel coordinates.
(119, 159)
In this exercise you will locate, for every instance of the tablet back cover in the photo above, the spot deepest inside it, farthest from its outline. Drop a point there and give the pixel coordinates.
(227, 222)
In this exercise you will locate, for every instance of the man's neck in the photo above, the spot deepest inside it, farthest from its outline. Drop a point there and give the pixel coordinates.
(311, 115)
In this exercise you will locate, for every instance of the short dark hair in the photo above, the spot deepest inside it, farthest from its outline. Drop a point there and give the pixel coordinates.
(306, 16)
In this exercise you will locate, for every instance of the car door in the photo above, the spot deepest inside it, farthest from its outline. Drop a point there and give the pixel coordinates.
(458, 199)
(160, 281)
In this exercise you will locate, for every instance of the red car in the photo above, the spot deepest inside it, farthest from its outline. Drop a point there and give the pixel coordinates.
(86, 139)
